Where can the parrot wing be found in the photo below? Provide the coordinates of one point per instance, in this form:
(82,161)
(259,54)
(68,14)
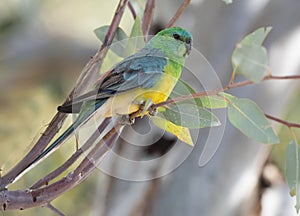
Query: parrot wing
(133,72)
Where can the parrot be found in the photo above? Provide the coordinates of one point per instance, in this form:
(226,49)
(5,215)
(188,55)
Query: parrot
(140,80)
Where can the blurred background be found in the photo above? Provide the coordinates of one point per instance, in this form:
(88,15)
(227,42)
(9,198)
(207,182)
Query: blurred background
(45,44)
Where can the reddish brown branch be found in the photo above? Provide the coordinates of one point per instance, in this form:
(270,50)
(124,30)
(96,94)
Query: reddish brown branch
(225,88)
(131,8)
(288,124)
(22,199)
(178,13)
(284,77)
(92,159)
(55,210)
(147,18)
(201,94)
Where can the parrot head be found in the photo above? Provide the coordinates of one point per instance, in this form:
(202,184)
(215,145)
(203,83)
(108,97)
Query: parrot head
(174,40)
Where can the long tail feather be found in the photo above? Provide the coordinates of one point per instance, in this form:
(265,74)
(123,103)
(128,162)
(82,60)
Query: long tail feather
(82,119)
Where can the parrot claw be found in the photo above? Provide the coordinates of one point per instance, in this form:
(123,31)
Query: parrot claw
(152,111)
(146,107)
(126,120)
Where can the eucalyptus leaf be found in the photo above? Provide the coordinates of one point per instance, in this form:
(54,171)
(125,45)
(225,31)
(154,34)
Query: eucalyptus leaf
(251,61)
(136,38)
(257,37)
(182,88)
(117,46)
(292,167)
(250,58)
(181,133)
(216,101)
(292,172)
(190,116)
(246,116)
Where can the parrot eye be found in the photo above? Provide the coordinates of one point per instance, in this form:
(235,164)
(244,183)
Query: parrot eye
(188,41)
(176,36)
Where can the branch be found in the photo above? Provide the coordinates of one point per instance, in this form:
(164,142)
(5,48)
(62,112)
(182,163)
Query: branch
(22,199)
(55,210)
(147,18)
(90,70)
(93,158)
(225,88)
(131,8)
(284,77)
(178,13)
(288,124)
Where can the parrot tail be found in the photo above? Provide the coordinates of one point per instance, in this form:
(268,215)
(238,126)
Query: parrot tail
(82,119)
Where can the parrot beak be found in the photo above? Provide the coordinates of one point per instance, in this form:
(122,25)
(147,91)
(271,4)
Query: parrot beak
(188,47)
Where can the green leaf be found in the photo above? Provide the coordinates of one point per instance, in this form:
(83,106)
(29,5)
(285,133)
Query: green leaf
(110,60)
(228,1)
(250,61)
(216,101)
(257,37)
(293,171)
(227,96)
(292,166)
(190,116)
(250,58)
(182,88)
(136,38)
(181,133)
(246,116)
(120,35)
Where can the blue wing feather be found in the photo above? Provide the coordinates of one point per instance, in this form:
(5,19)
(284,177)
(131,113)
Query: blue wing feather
(142,69)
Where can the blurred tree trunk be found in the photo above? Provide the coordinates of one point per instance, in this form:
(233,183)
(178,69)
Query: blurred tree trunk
(228,184)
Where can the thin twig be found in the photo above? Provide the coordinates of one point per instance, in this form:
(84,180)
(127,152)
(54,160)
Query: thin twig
(147,18)
(131,8)
(114,24)
(99,155)
(288,124)
(55,210)
(284,77)
(178,13)
(225,88)
(90,157)
(45,180)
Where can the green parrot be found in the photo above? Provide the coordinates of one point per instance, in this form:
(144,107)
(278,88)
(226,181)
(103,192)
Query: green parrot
(144,78)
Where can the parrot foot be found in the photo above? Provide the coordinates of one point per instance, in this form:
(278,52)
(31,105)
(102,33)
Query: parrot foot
(147,107)
(152,111)
(126,120)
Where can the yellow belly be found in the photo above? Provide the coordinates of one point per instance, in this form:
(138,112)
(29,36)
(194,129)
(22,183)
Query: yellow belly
(129,102)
